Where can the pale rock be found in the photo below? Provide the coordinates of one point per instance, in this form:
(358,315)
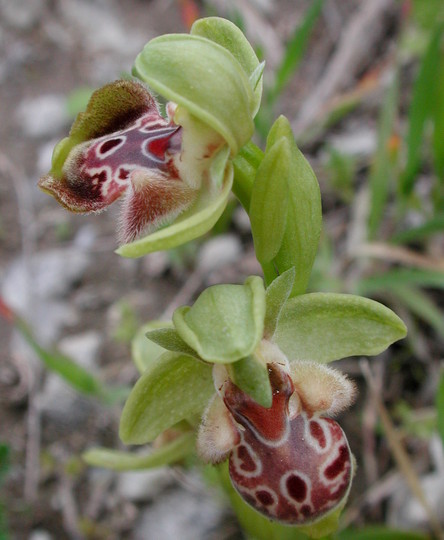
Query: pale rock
(43,116)
(219,251)
(140,486)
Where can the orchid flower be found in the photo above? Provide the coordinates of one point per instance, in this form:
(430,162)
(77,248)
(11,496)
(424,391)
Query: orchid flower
(174,173)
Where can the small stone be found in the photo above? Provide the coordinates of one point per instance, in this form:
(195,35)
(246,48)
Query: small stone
(219,251)
(21,14)
(140,486)
(43,116)
(40,534)
(188,515)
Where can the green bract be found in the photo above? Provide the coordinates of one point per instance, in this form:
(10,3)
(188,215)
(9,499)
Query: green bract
(285,209)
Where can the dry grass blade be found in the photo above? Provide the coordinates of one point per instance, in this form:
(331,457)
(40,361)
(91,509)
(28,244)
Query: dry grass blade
(399,453)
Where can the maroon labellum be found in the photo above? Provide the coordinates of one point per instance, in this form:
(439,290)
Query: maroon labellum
(293,468)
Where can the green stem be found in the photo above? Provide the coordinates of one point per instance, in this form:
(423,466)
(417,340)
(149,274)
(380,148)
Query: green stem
(245,166)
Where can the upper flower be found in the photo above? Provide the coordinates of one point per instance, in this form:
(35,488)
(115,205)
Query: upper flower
(173,171)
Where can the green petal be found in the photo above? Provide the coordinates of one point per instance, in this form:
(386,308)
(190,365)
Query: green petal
(117,460)
(226,322)
(228,35)
(276,295)
(205,79)
(177,388)
(252,377)
(195,222)
(325,327)
(169,339)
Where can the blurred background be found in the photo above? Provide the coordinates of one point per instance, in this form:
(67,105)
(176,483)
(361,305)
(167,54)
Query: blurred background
(363,86)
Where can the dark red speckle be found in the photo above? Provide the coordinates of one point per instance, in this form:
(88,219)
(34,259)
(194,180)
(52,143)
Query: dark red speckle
(248,463)
(317,433)
(306,510)
(264,497)
(338,465)
(109,145)
(297,488)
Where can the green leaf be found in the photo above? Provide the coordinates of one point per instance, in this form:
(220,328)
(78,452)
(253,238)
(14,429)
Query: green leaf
(269,201)
(381,174)
(226,322)
(380,533)
(205,79)
(276,295)
(440,406)
(177,388)
(193,223)
(172,452)
(420,109)
(170,340)
(229,36)
(304,220)
(251,376)
(144,352)
(326,326)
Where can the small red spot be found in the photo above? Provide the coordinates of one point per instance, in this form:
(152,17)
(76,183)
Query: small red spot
(317,433)
(264,497)
(297,488)
(338,465)
(123,174)
(248,463)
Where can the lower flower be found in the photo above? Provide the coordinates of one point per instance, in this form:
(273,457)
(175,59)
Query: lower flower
(289,462)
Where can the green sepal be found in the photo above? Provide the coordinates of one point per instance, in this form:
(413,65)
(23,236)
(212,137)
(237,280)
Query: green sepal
(170,340)
(117,460)
(144,352)
(226,322)
(176,388)
(276,295)
(204,78)
(269,201)
(300,239)
(324,327)
(194,222)
(229,36)
(252,377)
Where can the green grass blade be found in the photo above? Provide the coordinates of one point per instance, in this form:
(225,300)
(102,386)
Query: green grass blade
(421,305)
(295,50)
(382,171)
(401,276)
(438,122)
(420,109)
(432,226)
